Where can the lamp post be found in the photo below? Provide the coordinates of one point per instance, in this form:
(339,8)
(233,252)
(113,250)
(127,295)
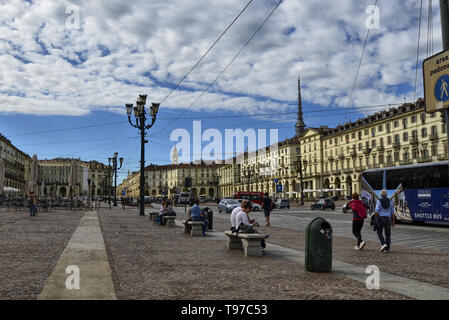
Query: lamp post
(139,113)
(109,182)
(298,163)
(88,193)
(116,168)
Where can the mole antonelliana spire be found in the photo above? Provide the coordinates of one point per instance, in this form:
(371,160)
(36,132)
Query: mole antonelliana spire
(300,126)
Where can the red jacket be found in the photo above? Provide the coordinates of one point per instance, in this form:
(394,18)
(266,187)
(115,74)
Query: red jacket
(358,208)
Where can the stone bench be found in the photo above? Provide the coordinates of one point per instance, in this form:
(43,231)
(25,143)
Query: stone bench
(169,220)
(195,228)
(248,242)
(153,216)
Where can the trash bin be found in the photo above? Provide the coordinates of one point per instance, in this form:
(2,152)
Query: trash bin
(318,248)
(209,216)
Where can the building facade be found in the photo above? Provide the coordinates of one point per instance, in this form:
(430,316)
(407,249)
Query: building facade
(16,163)
(168,180)
(54,174)
(332,159)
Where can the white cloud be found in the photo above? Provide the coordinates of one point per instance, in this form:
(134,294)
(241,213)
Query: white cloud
(48,69)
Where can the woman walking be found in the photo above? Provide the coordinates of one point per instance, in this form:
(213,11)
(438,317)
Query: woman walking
(358,218)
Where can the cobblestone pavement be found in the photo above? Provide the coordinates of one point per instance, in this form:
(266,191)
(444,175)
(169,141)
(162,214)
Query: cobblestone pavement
(156,262)
(414,263)
(30,248)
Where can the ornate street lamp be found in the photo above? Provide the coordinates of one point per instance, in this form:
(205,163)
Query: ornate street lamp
(139,113)
(298,163)
(115,167)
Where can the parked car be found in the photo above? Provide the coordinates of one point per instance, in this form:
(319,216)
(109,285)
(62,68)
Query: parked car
(227,205)
(256,206)
(282,203)
(323,204)
(184,198)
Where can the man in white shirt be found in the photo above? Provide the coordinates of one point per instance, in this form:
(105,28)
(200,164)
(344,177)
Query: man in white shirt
(242,216)
(234,213)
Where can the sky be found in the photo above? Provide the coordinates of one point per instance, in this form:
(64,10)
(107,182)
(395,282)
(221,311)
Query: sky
(67,69)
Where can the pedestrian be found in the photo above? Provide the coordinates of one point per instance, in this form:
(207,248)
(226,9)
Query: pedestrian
(162,210)
(246,224)
(384,212)
(33,204)
(267,205)
(358,218)
(235,211)
(196,214)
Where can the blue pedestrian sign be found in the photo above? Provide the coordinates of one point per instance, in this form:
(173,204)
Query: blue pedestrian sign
(442,88)
(124,192)
(276,180)
(436,81)
(279,188)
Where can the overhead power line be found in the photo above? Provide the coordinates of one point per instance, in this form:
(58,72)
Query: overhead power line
(208,50)
(228,65)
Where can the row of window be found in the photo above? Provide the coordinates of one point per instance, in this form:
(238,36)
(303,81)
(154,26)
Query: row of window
(380,128)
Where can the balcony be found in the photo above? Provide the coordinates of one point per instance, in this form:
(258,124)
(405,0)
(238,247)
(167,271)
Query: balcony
(331,158)
(326,173)
(347,170)
(442,157)
(380,148)
(361,168)
(341,156)
(424,159)
(413,141)
(353,153)
(433,137)
(396,145)
(336,172)
(389,163)
(366,151)
(405,162)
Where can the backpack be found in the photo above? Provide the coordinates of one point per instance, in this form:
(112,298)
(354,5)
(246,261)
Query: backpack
(359,208)
(361,212)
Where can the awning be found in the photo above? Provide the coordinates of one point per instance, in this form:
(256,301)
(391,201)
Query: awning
(10,189)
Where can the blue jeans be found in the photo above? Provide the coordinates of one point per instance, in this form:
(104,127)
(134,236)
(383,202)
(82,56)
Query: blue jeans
(205,224)
(33,210)
(384,223)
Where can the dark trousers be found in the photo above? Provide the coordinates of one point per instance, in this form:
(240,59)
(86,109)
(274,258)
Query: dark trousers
(384,223)
(357,226)
(205,224)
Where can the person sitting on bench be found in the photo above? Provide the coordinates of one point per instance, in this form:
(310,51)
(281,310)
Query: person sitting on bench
(247,225)
(196,214)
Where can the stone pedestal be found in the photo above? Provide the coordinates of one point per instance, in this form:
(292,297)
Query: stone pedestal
(197,230)
(169,221)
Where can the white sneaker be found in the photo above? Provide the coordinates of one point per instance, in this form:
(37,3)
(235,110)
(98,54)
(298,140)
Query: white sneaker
(362,245)
(383,248)
(357,248)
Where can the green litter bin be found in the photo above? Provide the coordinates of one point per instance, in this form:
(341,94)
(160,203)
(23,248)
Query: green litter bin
(318,249)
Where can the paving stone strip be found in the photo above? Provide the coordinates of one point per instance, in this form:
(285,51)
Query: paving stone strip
(87,253)
(401,285)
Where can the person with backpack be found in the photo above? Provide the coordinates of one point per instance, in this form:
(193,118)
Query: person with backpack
(385,220)
(358,218)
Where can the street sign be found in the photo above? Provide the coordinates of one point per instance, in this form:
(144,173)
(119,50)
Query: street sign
(279,188)
(123,192)
(436,81)
(276,180)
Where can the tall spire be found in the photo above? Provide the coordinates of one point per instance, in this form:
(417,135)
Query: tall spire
(300,125)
